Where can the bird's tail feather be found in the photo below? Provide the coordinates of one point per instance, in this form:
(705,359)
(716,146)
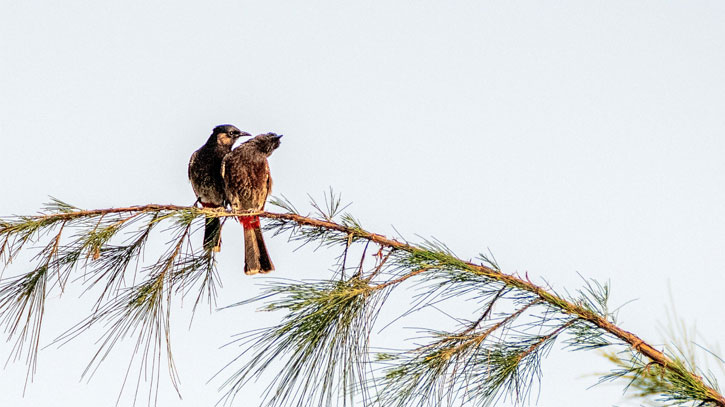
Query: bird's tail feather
(213,234)
(256,257)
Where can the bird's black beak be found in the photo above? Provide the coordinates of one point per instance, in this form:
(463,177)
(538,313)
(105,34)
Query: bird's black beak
(279,136)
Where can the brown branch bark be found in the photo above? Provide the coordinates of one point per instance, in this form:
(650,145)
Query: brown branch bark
(636,343)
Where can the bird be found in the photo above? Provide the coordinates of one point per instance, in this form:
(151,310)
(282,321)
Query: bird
(206,180)
(247,182)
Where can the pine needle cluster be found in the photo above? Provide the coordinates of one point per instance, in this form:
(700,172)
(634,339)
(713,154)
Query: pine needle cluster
(320,352)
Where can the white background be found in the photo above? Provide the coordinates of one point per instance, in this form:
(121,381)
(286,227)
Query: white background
(568,136)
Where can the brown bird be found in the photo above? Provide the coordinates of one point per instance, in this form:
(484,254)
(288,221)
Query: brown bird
(206,180)
(247,183)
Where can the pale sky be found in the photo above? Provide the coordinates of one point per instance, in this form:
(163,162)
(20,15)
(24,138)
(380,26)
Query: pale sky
(566,137)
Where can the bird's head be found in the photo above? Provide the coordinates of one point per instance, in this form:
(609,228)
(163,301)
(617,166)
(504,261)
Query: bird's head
(266,143)
(225,135)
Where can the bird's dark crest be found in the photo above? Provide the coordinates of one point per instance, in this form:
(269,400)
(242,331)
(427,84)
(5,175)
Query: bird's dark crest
(266,143)
(224,128)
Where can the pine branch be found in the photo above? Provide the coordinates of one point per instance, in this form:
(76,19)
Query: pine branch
(326,339)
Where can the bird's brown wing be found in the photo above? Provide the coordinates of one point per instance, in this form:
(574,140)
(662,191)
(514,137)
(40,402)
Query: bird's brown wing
(269,184)
(191,163)
(204,177)
(246,181)
(258,177)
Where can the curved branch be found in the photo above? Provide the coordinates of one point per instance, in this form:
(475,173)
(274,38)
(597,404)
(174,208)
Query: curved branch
(635,343)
